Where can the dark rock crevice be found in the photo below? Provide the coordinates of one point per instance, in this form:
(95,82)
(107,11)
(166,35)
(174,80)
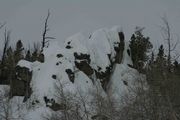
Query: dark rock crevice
(106,76)
(20,86)
(70,74)
(120,48)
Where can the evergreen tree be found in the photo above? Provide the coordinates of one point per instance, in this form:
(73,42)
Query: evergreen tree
(18,53)
(28,56)
(161,52)
(10,63)
(152,58)
(35,55)
(139,46)
(161,61)
(8,67)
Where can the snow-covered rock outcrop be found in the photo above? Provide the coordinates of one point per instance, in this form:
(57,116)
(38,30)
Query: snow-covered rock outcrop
(83,66)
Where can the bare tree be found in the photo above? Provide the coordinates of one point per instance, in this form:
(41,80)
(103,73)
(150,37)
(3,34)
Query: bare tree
(83,102)
(6,43)
(167,35)
(4,105)
(66,104)
(10,109)
(46,29)
(2,25)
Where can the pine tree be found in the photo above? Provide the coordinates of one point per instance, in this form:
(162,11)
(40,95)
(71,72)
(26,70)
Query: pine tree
(161,60)
(34,55)
(28,56)
(161,52)
(152,58)
(8,67)
(18,53)
(139,46)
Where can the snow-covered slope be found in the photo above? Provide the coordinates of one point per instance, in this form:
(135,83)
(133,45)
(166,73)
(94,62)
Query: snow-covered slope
(84,65)
(124,83)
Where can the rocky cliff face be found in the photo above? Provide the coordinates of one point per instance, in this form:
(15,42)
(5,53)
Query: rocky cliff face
(83,65)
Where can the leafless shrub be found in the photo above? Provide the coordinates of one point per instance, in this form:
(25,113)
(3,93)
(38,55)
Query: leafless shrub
(148,104)
(10,110)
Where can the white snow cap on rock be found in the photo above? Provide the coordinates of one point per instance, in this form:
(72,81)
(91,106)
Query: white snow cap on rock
(52,72)
(98,46)
(26,64)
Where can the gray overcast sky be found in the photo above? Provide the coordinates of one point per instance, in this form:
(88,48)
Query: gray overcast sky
(25,18)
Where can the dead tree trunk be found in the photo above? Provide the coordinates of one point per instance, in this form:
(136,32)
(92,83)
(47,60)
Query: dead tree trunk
(46,29)
(167,35)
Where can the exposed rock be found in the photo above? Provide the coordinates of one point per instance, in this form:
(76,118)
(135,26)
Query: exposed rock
(125,83)
(41,57)
(128,51)
(84,67)
(20,86)
(69,42)
(35,102)
(104,76)
(54,76)
(119,50)
(3,76)
(46,100)
(131,66)
(76,60)
(59,55)
(70,75)
(99,68)
(56,106)
(82,57)
(68,47)
(82,62)
(53,105)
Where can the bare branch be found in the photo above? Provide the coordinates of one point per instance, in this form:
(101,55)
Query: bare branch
(50,38)
(175,45)
(2,25)
(166,33)
(6,43)
(45,30)
(177,57)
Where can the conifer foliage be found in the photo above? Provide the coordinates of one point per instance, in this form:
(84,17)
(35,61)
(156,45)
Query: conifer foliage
(139,45)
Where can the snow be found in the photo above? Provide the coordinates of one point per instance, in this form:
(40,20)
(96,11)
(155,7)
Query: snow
(12,108)
(126,58)
(39,113)
(78,43)
(42,82)
(83,83)
(102,43)
(59,58)
(124,82)
(99,45)
(4,89)
(100,48)
(17,107)
(26,64)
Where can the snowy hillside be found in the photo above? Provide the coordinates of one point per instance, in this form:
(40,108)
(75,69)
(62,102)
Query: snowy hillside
(83,67)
